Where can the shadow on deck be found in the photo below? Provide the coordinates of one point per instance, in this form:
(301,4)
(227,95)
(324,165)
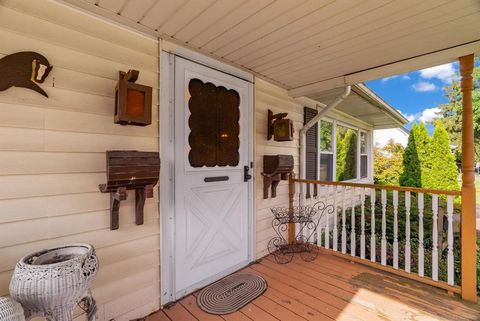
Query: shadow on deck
(332,288)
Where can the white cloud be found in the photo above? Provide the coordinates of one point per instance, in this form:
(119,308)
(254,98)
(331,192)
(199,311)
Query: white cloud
(429,114)
(445,73)
(423,86)
(410,118)
(389,78)
(402,76)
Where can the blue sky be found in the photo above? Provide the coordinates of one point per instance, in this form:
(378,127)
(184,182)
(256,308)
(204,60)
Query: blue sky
(417,94)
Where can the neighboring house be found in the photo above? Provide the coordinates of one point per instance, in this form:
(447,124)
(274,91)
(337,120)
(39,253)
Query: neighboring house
(399,135)
(206,219)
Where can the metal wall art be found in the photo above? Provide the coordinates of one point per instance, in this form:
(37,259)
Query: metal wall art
(279,127)
(133,102)
(24,69)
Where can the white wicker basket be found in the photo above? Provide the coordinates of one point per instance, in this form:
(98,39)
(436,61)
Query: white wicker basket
(10,310)
(51,282)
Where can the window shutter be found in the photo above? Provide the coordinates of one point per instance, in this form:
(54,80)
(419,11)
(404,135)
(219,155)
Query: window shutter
(311,150)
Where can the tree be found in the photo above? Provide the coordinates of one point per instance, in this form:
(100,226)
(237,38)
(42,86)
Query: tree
(441,171)
(415,156)
(388,163)
(451,113)
(346,153)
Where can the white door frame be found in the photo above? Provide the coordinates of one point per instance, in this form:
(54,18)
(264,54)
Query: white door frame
(167,157)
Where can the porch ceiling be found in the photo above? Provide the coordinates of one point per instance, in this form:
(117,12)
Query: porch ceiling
(364,105)
(294,43)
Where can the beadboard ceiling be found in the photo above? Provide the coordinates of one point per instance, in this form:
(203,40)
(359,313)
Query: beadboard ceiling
(295,43)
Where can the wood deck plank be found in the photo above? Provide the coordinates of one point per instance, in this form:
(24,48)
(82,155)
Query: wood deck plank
(257,314)
(277,309)
(311,301)
(178,313)
(332,288)
(158,316)
(305,284)
(190,304)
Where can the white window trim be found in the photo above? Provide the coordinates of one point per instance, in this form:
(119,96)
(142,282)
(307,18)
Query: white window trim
(369,150)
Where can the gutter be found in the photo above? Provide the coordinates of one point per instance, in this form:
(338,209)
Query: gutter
(313,121)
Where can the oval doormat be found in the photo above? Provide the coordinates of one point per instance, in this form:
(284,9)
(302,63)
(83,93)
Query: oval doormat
(231,293)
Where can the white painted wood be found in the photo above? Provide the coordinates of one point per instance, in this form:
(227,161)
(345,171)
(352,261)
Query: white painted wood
(384,227)
(135,10)
(435,237)
(421,250)
(353,238)
(373,241)
(450,258)
(407,232)
(344,230)
(362,232)
(327,216)
(211,219)
(395,229)
(336,191)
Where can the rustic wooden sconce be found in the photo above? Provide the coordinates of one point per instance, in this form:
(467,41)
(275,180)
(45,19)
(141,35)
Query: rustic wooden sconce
(275,168)
(133,102)
(279,127)
(130,170)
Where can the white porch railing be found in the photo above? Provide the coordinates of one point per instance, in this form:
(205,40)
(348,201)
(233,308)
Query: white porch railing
(408,231)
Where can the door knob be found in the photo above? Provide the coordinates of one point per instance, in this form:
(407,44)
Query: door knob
(246,175)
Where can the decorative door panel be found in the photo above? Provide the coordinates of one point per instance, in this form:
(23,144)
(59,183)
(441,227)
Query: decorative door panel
(211,197)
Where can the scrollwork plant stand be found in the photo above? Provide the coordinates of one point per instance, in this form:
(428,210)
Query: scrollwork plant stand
(306,220)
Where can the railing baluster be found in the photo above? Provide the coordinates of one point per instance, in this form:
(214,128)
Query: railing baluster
(407,232)
(327,216)
(435,237)
(362,231)
(344,230)
(450,275)
(319,227)
(372,226)
(335,218)
(384,227)
(421,251)
(395,229)
(353,243)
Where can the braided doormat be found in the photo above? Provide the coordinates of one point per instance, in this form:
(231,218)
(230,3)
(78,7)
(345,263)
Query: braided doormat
(231,293)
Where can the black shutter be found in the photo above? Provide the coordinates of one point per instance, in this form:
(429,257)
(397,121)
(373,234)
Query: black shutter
(311,150)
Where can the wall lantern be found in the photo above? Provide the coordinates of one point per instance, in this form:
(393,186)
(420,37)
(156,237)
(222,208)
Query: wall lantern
(279,127)
(133,102)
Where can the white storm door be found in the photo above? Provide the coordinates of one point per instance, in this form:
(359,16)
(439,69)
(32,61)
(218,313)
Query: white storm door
(211,197)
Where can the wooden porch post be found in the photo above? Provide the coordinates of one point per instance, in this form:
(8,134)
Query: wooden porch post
(291,195)
(468,219)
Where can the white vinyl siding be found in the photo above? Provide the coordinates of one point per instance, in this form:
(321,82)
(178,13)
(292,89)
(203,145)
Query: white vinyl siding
(52,153)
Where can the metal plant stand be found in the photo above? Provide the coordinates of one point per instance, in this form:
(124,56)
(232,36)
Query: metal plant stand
(306,220)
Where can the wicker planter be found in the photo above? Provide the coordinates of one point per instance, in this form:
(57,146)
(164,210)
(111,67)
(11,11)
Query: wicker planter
(51,282)
(10,310)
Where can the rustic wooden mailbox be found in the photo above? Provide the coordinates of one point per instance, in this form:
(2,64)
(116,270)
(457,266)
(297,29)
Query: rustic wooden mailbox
(275,168)
(133,102)
(279,127)
(130,170)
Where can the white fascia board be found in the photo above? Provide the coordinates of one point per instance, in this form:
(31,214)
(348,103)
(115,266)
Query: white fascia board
(407,65)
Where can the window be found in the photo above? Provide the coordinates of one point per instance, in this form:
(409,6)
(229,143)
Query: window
(214,126)
(346,141)
(326,151)
(363,155)
(335,151)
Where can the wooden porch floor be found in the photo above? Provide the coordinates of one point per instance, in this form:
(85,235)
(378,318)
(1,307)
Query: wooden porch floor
(332,288)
